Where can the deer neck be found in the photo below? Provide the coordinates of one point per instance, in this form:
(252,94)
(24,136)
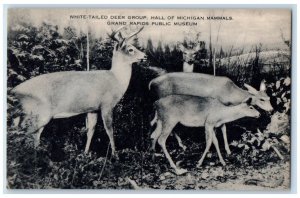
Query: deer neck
(122,69)
(234,96)
(229,114)
(188,67)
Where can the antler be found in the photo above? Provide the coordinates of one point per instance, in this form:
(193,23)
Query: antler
(122,39)
(135,33)
(114,33)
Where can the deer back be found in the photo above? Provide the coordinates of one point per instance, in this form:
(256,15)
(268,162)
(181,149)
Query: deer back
(72,92)
(205,85)
(195,84)
(188,110)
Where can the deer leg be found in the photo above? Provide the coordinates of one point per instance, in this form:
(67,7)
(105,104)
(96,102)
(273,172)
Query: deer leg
(216,143)
(180,142)
(223,128)
(107,121)
(162,142)
(155,135)
(91,121)
(34,124)
(208,137)
(37,137)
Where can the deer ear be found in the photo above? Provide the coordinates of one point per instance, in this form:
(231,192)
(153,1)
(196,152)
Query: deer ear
(197,48)
(251,89)
(248,100)
(262,85)
(181,47)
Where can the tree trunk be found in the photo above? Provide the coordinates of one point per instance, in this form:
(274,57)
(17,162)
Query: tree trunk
(87,51)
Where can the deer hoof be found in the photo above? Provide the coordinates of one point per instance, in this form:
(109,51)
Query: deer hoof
(223,162)
(86,151)
(228,152)
(180,171)
(113,152)
(199,164)
(115,158)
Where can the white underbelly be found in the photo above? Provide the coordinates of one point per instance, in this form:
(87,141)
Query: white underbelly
(65,115)
(192,122)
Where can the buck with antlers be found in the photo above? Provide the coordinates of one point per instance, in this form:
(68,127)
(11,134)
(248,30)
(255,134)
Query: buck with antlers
(195,111)
(66,94)
(205,85)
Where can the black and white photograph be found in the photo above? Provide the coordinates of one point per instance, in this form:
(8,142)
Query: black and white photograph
(149,99)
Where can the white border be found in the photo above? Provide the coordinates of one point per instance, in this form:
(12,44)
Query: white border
(253,3)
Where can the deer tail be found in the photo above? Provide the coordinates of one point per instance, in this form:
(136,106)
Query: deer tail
(150,83)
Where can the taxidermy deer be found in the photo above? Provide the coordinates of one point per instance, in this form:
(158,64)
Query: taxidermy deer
(205,85)
(66,94)
(193,111)
(189,56)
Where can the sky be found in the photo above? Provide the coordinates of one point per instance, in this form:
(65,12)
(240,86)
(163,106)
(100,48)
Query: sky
(248,26)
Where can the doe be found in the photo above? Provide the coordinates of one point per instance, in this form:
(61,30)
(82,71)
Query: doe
(193,111)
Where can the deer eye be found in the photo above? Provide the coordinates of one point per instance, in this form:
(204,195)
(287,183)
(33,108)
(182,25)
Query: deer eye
(130,50)
(251,107)
(262,100)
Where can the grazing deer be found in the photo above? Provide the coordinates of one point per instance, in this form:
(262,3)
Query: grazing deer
(205,85)
(193,111)
(189,56)
(66,94)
